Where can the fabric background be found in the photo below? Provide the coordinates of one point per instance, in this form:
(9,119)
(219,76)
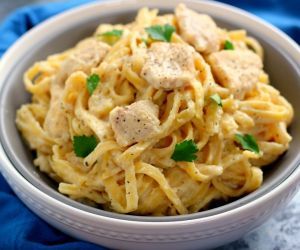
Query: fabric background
(21,229)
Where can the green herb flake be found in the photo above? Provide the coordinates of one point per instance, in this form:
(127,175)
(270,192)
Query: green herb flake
(248,142)
(92,82)
(36,77)
(144,40)
(228,45)
(116,33)
(161,33)
(217,99)
(84,145)
(185,151)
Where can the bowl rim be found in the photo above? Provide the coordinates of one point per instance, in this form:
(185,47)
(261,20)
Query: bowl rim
(111,4)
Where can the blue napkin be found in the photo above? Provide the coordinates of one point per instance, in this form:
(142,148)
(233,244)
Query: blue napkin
(19,227)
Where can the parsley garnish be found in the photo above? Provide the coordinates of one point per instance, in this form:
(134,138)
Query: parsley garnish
(116,33)
(145,41)
(161,33)
(217,99)
(92,82)
(185,151)
(228,45)
(84,145)
(36,76)
(248,142)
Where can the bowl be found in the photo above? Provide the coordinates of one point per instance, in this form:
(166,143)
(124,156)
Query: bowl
(201,230)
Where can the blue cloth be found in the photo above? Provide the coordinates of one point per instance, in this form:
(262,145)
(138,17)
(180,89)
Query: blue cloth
(283,14)
(19,227)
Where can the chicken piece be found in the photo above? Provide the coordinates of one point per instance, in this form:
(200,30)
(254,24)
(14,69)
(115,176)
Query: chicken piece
(86,55)
(236,70)
(56,123)
(134,123)
(169,65)
(198,30)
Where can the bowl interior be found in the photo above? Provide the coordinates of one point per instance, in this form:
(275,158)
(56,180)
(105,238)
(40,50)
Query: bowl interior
(283,71)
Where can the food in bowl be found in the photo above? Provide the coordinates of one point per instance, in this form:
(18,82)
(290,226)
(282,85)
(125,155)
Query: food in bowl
(161,116)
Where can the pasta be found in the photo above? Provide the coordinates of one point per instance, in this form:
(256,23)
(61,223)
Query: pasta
(160,116)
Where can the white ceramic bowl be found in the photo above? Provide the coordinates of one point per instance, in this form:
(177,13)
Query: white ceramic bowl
(199,231)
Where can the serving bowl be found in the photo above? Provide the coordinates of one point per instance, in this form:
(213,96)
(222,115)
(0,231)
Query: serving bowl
(201,230)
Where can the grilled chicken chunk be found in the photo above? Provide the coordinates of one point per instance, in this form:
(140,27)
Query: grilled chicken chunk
(169,65)
(198,30)
(237,70)
(86,55)
(134,123)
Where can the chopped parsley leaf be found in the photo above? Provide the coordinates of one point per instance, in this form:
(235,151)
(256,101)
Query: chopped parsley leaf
(228,45)
(161,33)
(144,40)
(92,82)
(248,142)
(116,33)
(217,99)
(36,76)
(185,151)
(84,145)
